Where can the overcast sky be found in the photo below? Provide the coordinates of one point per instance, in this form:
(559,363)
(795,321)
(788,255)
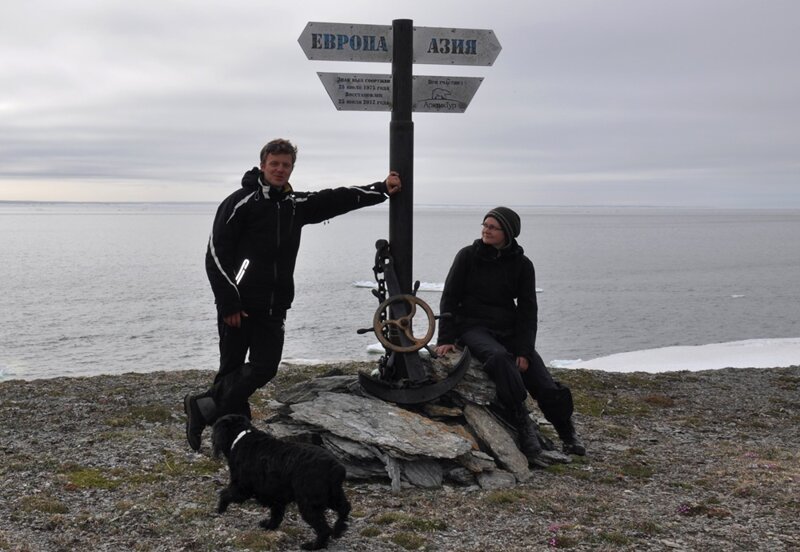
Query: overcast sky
(620,102)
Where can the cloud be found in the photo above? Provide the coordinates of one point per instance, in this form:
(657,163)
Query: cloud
(658,102)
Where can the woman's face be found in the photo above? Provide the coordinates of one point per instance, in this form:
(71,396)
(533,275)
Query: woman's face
(491,233)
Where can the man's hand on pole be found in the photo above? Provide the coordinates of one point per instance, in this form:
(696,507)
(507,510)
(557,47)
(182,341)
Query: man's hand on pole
(392,182)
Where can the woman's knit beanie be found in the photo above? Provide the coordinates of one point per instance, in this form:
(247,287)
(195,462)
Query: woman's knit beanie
(508,219)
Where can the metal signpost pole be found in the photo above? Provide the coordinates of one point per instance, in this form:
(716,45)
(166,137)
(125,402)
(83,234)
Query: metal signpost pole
(401,159)
(401,152)
(401,93)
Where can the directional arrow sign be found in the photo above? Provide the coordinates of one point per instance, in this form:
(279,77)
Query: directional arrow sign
(346,42)
(359,92)
(443,94)
(432,45)
(455,46)
(368,92)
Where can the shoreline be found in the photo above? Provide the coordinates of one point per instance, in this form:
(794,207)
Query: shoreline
(676,461)
(747,353)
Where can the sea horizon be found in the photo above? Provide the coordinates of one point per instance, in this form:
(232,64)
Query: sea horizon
(87,280)
(439,205)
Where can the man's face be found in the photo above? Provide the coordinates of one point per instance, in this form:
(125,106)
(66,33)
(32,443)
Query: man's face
(277,168)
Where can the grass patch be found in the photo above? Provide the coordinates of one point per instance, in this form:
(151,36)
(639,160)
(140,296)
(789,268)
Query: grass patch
(594,406)
(574,469)
(775,453)
(141,478)
(745,490)
(43,503)
(602,405)
(413,523)
(693,422)
(637,471)
(16,466)
(660,400)
(409,526)
(614,537)
(170,466)
(647,527)
(388,518)
(370,532)
(174,466)
(563,541)
(190,514)
(681,485)
(409,541)
(120,435)
(788,382)
(259,540)
(584,380)
(79,477)
(424,525)
(557,469)
(507,496)
(151,413)
(703,509)
(627,406)
(148,413)
(618,432)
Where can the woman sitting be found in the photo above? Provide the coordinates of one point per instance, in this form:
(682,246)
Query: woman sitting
(490,292)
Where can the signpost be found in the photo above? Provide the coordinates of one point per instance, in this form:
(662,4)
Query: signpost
(455,46)
(370,92)
(432,45)
(402,44)
(345,42)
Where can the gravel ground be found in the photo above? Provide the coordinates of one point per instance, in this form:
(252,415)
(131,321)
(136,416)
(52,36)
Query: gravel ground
(677,461)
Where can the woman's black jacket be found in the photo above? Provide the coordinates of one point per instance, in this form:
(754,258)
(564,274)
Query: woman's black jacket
(493,288)
(262,224)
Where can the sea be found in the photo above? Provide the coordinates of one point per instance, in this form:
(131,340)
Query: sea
(110,288)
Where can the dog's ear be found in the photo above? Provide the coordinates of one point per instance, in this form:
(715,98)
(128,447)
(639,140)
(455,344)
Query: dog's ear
(221,438)
(240,422)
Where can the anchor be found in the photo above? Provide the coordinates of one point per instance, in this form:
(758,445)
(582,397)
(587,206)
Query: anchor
(402,376)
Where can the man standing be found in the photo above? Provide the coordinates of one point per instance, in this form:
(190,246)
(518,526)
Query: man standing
(250,264)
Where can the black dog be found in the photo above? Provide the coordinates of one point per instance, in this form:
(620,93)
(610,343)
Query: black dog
(276,472)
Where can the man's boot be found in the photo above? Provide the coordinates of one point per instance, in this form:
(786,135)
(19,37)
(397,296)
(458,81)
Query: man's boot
(200,412)
(528,438)
(572,444)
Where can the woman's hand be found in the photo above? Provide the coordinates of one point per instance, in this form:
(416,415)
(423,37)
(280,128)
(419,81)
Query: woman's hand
(522,364)
(442,350)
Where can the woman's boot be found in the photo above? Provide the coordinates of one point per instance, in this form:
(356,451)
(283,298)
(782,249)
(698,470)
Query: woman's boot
(572,444)
(528,438)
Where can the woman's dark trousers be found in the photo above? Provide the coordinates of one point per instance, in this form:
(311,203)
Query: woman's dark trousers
(553,398)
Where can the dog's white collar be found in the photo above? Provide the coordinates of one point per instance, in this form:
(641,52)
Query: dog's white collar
(241,434)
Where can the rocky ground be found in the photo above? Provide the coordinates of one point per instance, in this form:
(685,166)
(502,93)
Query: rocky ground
(677,461)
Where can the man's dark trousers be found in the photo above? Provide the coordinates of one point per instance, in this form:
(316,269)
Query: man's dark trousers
(240,374)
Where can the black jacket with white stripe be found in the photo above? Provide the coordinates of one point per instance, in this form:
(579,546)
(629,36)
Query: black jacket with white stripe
(261,224)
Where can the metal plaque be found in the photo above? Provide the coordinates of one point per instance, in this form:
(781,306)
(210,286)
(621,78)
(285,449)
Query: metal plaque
(370,92)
